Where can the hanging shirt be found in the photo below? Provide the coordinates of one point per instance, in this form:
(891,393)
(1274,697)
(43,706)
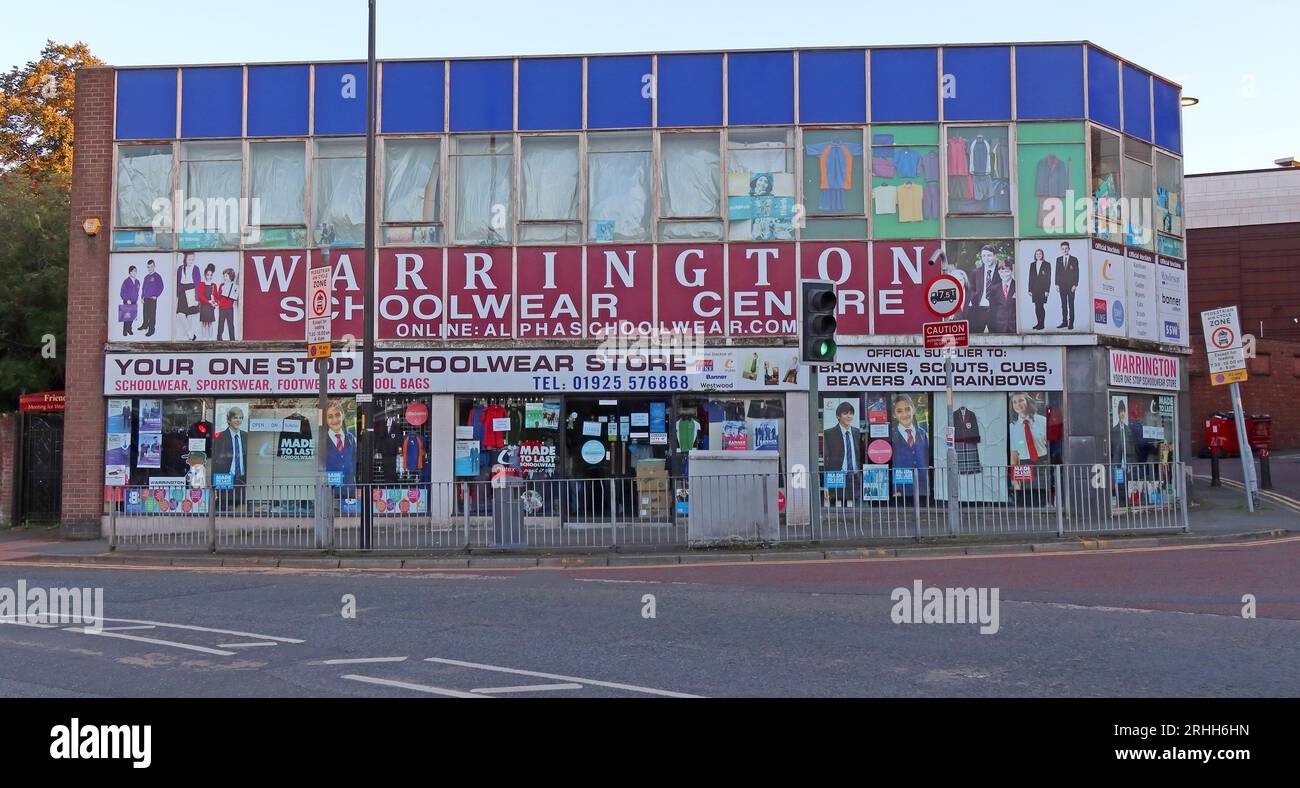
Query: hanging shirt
(492,439)
(687,430)
(412,453)
(957,161)
(886,199)
(905,162)
(835,165)
(909,203)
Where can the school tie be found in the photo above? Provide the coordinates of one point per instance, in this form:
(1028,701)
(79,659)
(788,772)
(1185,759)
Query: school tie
(1029,441)
(338,441)
(911,444)
(239,455)
(848,452)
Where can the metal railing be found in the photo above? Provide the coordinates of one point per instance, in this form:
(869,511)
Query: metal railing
(510,513)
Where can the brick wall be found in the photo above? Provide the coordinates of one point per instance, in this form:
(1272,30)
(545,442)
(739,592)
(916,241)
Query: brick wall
(92,179)
(1272,389)
(8,459)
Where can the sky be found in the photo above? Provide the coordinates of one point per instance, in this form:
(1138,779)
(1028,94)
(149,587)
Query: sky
(1238,58)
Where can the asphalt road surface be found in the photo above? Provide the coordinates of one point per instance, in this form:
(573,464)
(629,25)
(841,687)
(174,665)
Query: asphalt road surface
(1140,622)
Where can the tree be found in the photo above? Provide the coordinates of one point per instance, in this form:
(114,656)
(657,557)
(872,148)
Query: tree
(34,216)
(36,110)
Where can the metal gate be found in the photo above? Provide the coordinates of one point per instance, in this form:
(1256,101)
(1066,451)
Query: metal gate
(40,469)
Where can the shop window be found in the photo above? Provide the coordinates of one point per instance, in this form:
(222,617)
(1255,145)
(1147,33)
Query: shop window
(732,423)
(1051,162)
(151,438)
(413,191)
(833,184)
(403,430)
(905,175)
(339,193)
(875,447)
(1105,191)
(482,177)
(690,196)
(1143,433)
(277,188)
(619,186)
(548,200)
(210,174)
(979,169)
(1137,189)
(515,436)
(144,176)
(1169,194)
(760,185)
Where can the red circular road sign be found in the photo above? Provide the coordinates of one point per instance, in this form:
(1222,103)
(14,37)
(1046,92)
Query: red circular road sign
(320,304)
(945,295)
(1223,338)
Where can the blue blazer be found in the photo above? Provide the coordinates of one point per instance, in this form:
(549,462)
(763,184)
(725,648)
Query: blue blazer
(915,456)
(344,460)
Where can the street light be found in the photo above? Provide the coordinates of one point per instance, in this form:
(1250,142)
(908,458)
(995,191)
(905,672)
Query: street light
(1190,101)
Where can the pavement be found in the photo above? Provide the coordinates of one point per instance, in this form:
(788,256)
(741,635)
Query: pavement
(1284,468)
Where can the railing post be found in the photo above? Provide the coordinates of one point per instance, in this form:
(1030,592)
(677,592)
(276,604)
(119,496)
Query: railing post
(916,499)
(613,509)
(1060,501)
(212,519)
(112,521)
(1182,496)
(464,510)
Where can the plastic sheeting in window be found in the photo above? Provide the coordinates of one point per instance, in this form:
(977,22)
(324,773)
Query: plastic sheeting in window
(411,180)
(211,172)
(691,169)
(549,176)
(339,193)
(276,175)
(482,189)
(618,187)
(144,174)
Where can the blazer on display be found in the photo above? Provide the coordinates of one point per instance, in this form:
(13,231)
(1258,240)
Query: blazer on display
(1040,281)
(1002,309)
(1067,272)
(223,452)
(833,441)
(344,459)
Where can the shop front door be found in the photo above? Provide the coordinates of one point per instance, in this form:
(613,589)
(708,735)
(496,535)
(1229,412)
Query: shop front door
(607,440)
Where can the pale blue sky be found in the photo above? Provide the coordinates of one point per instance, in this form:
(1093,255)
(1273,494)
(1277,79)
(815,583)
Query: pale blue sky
(1238,57)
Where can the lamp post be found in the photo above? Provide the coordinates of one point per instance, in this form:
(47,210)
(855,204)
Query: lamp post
(365,401)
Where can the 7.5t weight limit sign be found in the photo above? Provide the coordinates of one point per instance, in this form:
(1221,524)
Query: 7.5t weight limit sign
(318,312)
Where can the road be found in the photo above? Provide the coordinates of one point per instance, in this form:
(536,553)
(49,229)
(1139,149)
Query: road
(1138,622)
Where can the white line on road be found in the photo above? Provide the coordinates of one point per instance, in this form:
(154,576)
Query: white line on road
(526,688)
(27,623)
(161,642)
(195,628)
(450,693)
(118,629)
(358,661)
(537,675)
(609,580)
(244,645)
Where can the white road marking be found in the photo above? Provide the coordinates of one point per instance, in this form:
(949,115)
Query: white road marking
(538,675)
(609,580)
(450,693)
(526,688)
(27,624)
(359,661)
(195,628)
(160,642)
(118,629)
(244,645)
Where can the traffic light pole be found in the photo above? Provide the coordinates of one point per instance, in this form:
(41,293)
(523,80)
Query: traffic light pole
(365,410)
(814,478)
(324,506)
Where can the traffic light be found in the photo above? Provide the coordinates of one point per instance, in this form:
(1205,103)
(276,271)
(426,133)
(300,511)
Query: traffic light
(202,429)
(817,332)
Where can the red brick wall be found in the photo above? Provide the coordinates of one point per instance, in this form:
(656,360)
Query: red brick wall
(92,181)
(8,458)
(1253,267)
(1273,389)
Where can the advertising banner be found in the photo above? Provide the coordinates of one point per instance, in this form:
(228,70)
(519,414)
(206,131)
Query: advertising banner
(762,281)
(1143,296)
(1173,301)
(410,299)
(1143,370)
(1109,289)
(620,290)
(549,292)
(141,288)
(275,287)
(847,264)
(1052,278)
(900,273)
(480,293)
(691,289)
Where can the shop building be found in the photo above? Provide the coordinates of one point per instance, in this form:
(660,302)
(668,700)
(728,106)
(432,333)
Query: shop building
(586,263)
(1243,237)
